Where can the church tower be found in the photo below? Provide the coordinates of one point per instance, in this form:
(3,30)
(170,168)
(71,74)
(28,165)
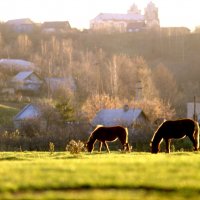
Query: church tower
(151,16)
(134,10)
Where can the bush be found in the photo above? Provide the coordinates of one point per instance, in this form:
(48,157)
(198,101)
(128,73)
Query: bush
(51,147)
(75,147)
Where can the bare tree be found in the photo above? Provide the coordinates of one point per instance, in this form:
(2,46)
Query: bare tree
(166,84)
(96,102)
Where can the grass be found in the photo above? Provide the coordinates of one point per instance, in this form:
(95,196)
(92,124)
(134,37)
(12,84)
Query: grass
(7,113)
(39,175)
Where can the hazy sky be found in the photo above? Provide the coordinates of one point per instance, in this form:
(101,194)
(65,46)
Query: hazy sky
(80,12)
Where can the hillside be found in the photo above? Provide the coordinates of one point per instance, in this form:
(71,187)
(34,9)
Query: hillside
(89,58)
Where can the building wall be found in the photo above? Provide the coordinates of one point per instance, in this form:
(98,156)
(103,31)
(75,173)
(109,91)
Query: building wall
(190,110)
(114,23)
(109,25)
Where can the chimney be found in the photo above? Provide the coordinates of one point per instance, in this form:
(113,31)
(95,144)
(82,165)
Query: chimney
(126,108)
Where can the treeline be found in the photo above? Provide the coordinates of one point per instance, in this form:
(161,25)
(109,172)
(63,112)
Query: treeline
(166,64)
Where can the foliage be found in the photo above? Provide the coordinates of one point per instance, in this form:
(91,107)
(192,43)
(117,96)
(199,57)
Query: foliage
(66,110)
(167,85)
(51,147)
(48,111)
(96,102)
(155,108)
(75,147)
(103,63)
(30,127)
(7,112)
(15,140)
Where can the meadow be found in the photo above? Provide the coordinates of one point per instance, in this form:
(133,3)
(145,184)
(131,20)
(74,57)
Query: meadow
(135,175)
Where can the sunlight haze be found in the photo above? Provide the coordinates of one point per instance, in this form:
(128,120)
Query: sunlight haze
(80,12)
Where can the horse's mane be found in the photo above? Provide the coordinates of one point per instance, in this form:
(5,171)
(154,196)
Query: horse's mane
(157,130)
(98,126)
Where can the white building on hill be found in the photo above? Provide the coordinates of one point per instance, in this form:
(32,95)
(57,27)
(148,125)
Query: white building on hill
(132,21)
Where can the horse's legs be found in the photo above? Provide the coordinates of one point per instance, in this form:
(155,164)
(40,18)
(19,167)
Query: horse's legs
(193,142)
(167,141)
(106,145)
(100,146)
(126,147)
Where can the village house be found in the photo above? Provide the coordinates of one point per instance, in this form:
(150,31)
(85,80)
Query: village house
(29,112)
(127,117)
(56,26)
(132,21)
(27,81)
(21,25)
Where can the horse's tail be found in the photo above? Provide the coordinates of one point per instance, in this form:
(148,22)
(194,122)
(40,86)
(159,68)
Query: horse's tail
(196,134)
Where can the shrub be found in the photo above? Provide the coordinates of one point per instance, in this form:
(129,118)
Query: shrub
(51,147)
(75,147)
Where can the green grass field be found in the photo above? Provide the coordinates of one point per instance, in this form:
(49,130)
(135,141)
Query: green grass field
(39,175)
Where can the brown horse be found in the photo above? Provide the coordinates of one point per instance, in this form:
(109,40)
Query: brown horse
(104,134)
(175,129)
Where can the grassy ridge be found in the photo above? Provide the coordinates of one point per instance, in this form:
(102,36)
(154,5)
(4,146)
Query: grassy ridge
(34,175)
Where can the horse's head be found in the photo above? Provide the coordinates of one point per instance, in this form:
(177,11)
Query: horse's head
(154,148)
(89,146)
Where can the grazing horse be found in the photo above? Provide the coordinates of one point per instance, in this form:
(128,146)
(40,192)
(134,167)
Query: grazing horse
(104,134)
(175,129)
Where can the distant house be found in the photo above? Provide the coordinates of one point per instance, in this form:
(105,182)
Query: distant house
(29,112)
(56,26)
(16,65)
(27,81)
(57,83)
(21,25)
(127,117)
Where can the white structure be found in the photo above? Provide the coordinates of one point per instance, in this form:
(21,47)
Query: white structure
(191,109)
(132,21)
(151,16)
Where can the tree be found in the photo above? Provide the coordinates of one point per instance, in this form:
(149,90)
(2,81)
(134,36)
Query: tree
(166,84)
(66,110)
(154,108)
(49,113)
(144,75)
(96,102)
(24,44)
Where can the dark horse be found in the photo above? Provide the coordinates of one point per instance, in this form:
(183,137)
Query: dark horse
(175,129)
(104,134)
